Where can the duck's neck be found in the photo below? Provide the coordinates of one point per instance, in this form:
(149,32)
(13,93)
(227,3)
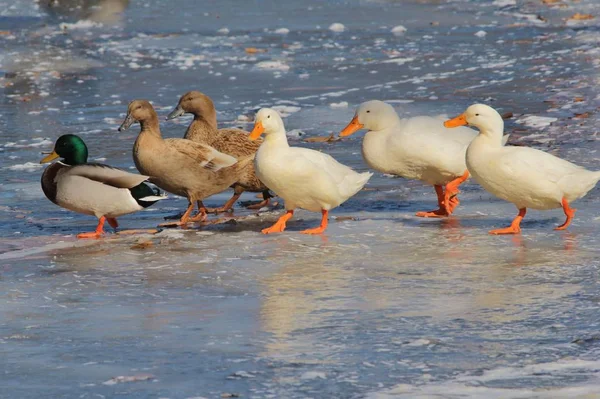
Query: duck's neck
(276,140)
(492,132)
(151,126)
(77,158)
(201,129)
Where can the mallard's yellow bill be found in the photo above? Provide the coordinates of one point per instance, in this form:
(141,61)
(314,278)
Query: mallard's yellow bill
(51,157)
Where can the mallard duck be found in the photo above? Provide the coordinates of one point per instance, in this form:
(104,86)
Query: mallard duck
(93,188)
(182,167)
(234,142)
(527,177)
(419,148)
(304,178)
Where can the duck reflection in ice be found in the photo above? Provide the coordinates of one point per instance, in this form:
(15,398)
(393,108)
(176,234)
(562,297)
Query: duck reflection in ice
(101,11)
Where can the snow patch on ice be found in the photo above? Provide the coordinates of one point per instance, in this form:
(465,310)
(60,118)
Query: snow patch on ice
(337,27)
(286,110)
(273,65)
(81,24)
(27,167)
(504,3)
(343,104)
(534,121)
(398,30)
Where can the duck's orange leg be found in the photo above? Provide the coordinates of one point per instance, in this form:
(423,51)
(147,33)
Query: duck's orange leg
(515,226)
(450,200)
(322,227)
(96,234)
(569,212)
(279,225)
(200,216)
(441,212)
(185,218)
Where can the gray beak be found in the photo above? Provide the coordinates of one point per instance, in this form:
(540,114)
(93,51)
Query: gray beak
(177,112)
(127,123)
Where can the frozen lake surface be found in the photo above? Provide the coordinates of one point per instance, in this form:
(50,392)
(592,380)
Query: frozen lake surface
(384,305)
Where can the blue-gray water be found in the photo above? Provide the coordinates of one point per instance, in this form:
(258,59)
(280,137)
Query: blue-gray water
(384,305)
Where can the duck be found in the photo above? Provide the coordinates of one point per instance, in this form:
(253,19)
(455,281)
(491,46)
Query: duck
(527,177)
(418,148)
(179,166)
(93,188)
(302,177)
(234,142)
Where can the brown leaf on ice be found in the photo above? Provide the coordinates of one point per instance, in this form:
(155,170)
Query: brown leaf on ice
(580,17)
(550,2)
(254,50)
(322,139)
(579,99)
(507,115)
(142,245)
(582,116)
(344,218)
(4,32)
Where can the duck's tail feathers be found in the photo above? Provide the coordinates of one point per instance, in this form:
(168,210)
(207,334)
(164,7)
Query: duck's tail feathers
(354,182)
(145,195)
(505,139)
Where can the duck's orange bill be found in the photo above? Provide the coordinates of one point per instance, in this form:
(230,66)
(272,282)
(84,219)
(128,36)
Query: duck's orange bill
(352,127)
(51,157)
(460,120)
(257,131)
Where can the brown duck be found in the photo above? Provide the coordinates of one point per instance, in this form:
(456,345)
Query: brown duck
(182,167)
(234,142)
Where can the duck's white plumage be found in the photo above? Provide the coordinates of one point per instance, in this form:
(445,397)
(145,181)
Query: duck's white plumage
(304,178)
(527,177)
(418,148)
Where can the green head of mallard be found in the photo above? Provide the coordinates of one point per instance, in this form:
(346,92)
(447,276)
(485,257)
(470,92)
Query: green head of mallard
(70,148)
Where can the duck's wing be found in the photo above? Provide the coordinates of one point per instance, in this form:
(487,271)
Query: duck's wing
(205,155)
(529,164)
(320,162)
(235,142)
(108,175)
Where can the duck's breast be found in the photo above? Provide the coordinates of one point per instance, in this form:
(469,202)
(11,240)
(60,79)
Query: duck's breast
(89,197)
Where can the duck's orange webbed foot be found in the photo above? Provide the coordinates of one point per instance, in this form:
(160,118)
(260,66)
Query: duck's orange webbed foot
(569,213)
(279,226)
(439,213)
(515,226)
(96,234)
(322,227)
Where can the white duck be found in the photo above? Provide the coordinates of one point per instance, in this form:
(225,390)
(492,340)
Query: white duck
(304,178)
(419,148)
(527,177)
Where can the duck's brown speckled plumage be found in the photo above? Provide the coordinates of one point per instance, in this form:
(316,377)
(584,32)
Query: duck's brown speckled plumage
(234,142)
(182,167)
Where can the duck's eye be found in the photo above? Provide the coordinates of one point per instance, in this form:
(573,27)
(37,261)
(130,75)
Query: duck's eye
(368,112)
(139,107)
(476,114)
(268,116)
